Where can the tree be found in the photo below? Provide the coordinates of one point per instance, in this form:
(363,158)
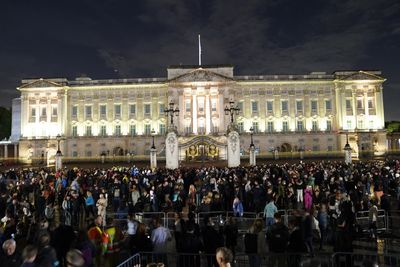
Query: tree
(393,126)
(5,123)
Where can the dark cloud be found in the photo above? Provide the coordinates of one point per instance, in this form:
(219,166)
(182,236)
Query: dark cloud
(110,38)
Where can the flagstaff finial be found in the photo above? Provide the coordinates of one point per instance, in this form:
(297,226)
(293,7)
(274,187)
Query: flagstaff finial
(199,51)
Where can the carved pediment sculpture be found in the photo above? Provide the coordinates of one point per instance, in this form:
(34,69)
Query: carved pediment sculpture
(362,75)
(201,75)
(41,83)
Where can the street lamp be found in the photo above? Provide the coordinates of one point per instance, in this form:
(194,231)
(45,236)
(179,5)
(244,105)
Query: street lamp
(58,156)
(58,137)
(251,137)
(347,149)
(171,111)
(152,136)
(232,110)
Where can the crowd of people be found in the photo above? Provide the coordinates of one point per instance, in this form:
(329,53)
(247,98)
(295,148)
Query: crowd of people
(86,217)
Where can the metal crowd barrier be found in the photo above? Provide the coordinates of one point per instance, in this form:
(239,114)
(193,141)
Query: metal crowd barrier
(200,259)
(133,261)
(364,259)
(362,218)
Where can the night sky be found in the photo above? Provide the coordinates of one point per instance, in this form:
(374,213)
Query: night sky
(128,38)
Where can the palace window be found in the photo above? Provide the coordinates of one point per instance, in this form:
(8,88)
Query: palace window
(360,124)
(162,128)
(284,105)
(314,126)
(133,130)
(359,103)
(270,126)
(348,104)
(117,109)
(299,106)
(314,106)
(240,127)
(132,109)
(147,109)
(44,112)
(147,129)
(255,127)
(371,124)
(370,103)
(240,106)
(300,125)
(254,106)
(54,112)
(214,105)
(103,110)
(88,112)
(118,130)
(103,130)
(270,107)
(74,111)
(88,130)
(188,106)
(201,104)
(329,125)
(285,126)
(349,124)
(74,131)
(162,108)
(33,112)
(328,105)
(188,129)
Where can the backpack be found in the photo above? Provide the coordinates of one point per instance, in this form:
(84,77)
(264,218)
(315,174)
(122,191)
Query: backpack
(250,243)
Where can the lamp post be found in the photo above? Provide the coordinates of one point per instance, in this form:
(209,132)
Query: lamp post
(232,110)
(171,111)
(252,149)
(152,136)
(58,154)
(347,150)
(153,152)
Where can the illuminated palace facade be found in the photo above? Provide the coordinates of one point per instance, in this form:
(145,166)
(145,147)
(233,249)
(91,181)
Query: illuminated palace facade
(288,113)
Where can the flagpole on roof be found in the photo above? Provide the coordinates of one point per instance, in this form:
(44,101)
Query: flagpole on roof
(199,51)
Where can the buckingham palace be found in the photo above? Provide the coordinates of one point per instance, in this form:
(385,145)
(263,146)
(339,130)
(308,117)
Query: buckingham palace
(88,118)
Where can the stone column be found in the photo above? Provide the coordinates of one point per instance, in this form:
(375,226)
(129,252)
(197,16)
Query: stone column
(233,149)
(252,156)
(171,151)
(208,115)
(194,113)
(15,152)
(153,158)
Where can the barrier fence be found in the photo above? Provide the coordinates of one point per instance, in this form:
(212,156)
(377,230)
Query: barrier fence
(386,221)
(268,259)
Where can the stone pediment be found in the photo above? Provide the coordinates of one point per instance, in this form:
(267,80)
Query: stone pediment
(362,75)
(41,83)
(200,75)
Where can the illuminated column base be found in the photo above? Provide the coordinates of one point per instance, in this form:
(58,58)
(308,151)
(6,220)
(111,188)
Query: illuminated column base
(58,162)
(252,156)
(103,159)
(347,156)
(276,154)
(153,158)
(171,151)
(233,149)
